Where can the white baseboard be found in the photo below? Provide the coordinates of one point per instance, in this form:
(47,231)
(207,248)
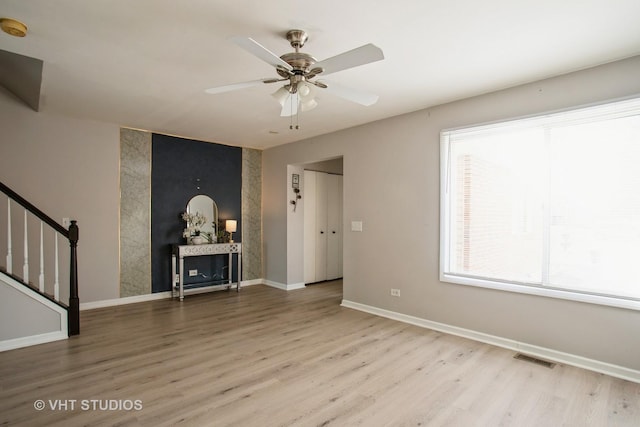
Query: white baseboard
(252,282)
(32,340)
(294,286)
(147,297)
(284,287)
(534,350)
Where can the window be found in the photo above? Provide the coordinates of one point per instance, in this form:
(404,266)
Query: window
(548,205)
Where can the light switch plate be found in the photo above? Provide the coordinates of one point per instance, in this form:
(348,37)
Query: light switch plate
(356,225)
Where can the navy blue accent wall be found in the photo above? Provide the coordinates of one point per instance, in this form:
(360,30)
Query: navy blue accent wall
(178,167)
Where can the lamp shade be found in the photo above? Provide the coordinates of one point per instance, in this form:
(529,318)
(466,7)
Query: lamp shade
(306,91)
(308,105)
(281,95)
(230,225)
(303,90)
(290,106)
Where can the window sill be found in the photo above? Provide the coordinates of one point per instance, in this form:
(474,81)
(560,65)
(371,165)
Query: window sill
(619,302)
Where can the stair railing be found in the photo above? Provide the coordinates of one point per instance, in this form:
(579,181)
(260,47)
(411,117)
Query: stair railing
(72,234)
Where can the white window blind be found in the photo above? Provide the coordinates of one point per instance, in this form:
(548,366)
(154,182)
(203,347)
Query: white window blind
(547,205)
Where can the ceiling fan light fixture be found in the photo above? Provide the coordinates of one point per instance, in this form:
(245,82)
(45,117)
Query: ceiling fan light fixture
(308,105)
(281,95)
(290,105)
(304,90)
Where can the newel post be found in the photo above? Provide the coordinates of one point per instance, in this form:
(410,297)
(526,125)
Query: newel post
(74,301)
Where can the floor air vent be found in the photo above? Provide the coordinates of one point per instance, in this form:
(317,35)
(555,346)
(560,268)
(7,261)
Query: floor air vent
(535,360)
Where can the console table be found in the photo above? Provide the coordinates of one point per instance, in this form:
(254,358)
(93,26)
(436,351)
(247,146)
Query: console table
(182,251)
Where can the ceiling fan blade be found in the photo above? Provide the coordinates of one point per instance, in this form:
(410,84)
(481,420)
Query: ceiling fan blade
(350,94)
(290,105)
(236,86)
(352,58)
(256,49)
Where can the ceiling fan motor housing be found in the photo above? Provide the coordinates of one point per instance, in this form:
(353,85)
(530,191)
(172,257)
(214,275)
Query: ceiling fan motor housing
(300,62)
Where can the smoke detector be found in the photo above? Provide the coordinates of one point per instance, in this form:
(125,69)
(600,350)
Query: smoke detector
(13,27)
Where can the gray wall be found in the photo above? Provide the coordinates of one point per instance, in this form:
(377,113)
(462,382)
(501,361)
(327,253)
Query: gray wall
(391,183)
(68,168)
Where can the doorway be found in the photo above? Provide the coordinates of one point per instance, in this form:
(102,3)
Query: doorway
(323,221)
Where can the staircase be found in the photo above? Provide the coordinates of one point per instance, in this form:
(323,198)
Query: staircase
(46,311)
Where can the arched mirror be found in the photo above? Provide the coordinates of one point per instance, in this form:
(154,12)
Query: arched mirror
(205,206)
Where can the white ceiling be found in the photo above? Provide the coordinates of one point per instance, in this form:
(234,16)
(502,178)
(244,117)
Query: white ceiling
(145,63)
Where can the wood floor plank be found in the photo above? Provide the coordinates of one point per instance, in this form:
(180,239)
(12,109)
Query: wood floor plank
(266,357)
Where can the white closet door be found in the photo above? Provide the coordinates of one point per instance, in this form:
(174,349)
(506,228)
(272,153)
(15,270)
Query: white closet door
(334,227)
(321,226)
(309,200)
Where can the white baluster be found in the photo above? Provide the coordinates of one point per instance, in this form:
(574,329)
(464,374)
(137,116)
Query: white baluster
(41,276)
(25,267)
(9,255)
(56,283)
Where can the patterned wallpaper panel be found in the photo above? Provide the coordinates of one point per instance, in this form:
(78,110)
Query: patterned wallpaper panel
(251,214)
(135,212)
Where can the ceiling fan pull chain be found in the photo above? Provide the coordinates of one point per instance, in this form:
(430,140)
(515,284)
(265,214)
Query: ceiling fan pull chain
(291,116)
(291,99)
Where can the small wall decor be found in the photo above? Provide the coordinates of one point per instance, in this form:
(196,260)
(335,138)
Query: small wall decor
(295,184)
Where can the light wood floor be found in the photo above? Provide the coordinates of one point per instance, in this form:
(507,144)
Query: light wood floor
(267,357)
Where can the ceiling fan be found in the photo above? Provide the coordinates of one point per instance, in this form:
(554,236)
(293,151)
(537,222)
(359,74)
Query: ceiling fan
(300,69)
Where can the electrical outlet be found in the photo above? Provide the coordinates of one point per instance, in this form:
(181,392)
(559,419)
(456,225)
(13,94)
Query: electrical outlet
(177,278)
(193,273)
(66,222)
(395,292)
